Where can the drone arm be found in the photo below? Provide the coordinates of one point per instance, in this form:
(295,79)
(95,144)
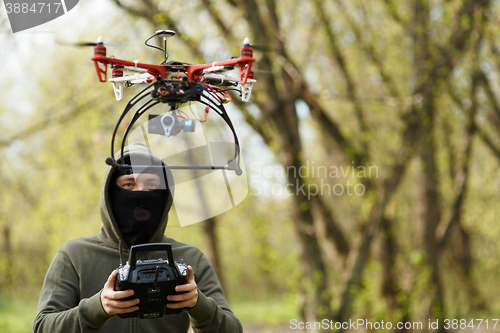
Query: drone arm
(244,72)
(101,72)
(155,70)
(195,70)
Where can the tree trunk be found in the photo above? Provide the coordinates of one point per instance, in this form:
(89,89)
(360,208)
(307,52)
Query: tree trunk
(391,286)
(214,255)
(7,259)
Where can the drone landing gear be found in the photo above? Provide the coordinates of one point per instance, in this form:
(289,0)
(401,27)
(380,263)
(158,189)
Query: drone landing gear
(174,93)
(118,90)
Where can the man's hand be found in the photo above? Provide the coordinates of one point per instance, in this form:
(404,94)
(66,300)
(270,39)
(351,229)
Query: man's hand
(111,300)
(189,296)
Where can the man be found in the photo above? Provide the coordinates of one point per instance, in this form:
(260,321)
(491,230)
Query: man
(78,292)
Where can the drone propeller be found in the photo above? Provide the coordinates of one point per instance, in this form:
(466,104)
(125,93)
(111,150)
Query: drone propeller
(264,71)
(255,47)
(84,44)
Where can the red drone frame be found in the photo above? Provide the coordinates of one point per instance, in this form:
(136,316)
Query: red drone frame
(194,72)
(175,83)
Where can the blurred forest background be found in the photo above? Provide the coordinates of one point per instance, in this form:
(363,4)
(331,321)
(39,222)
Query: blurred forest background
(406,89)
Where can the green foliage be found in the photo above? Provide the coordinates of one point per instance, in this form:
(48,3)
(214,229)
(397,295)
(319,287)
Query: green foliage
(16,315)
(271,310)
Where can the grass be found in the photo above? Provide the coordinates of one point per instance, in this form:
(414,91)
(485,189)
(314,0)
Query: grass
(16,315)
(269,311)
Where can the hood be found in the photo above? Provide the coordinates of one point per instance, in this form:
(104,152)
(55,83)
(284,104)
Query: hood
(110,232)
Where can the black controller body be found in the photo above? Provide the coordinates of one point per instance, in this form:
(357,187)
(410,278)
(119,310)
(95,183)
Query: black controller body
(151,280)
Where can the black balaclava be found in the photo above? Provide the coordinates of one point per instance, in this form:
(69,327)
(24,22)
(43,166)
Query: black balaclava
(137,213)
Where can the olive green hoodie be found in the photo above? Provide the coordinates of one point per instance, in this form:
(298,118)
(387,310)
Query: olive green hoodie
(70,297)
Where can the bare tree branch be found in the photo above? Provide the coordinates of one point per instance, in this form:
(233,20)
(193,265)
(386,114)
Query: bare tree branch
(330,127)
(337,54)
(226,31)
(46,123)
(482,134)
(370,49)
(447,130)
(350,84)
(464,257)
(393,11)
(491,95)
(477,78)
(259,126)
(160,19)
(333,230)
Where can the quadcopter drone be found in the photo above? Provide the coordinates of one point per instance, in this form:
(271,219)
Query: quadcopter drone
(175,83)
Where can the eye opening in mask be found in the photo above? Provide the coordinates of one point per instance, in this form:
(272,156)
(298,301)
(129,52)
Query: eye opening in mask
(146,174)
(139,181)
